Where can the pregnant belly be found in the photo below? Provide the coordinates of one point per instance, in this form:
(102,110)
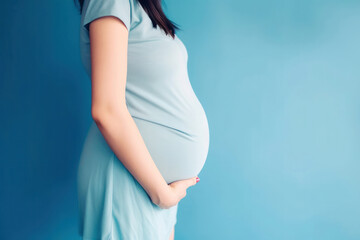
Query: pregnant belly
(177,154)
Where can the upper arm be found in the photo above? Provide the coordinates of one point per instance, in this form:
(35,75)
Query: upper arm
(108,49)
(108,23)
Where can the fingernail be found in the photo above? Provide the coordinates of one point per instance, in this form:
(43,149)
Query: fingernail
(197,179)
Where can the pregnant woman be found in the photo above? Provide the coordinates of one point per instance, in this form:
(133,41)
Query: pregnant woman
(149,137)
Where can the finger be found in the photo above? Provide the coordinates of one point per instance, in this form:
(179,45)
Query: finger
(191,181)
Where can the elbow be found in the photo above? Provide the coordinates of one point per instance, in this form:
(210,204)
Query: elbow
(96,114)
(100,114)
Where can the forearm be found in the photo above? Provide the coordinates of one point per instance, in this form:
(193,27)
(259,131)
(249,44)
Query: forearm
(123,137)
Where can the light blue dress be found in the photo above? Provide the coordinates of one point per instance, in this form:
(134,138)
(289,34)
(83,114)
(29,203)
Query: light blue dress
(170,118)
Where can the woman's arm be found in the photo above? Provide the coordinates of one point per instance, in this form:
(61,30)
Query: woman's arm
(109,41)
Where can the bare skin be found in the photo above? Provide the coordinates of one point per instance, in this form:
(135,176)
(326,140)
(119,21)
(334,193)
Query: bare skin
(109,43)
(172,234)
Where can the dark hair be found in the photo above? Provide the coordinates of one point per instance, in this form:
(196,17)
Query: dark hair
(154,10)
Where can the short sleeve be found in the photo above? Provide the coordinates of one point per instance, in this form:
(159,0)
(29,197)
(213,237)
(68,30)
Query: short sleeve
(99,8)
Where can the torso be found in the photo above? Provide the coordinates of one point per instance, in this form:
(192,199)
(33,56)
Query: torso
(160,98)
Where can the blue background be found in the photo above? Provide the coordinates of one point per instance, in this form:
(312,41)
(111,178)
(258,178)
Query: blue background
(279,81)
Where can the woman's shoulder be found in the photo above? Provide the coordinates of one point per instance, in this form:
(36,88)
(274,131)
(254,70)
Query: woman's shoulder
(125,10)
